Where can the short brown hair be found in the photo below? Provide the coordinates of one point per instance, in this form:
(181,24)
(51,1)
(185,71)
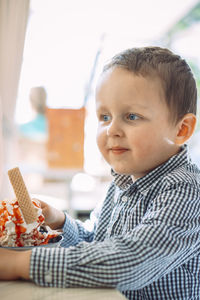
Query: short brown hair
(175,74)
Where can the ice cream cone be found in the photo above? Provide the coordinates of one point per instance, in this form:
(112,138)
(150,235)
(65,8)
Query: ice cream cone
(22,195)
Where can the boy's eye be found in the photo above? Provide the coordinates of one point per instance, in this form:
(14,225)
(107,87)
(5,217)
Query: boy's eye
(105,118)
(132,117)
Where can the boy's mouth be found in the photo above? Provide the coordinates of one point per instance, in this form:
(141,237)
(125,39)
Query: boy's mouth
(118,150)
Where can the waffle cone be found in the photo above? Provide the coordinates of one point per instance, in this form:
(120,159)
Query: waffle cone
(25,203)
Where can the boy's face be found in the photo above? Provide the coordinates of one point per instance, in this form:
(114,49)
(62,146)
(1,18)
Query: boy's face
(134,132)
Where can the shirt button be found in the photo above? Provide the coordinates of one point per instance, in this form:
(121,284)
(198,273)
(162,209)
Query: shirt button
(48,277)
(124,199)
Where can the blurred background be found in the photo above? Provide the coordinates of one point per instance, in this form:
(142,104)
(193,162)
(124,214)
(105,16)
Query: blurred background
(52,52)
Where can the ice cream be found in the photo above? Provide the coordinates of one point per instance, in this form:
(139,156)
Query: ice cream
(21,220)
(15,232)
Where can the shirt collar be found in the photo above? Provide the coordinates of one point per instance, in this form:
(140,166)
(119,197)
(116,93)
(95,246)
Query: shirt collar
(143,184)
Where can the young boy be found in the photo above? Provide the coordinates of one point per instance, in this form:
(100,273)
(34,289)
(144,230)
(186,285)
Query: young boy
(146,237)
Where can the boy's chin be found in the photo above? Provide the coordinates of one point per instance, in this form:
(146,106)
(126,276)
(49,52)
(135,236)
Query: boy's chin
(131,173)
(122,171)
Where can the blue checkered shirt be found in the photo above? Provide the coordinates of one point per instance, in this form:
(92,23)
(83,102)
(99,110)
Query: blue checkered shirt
(144,241)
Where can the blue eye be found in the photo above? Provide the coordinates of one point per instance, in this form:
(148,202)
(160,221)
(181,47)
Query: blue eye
(132,117)
(105,118)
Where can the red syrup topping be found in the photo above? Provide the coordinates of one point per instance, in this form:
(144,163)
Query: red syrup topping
(20,230)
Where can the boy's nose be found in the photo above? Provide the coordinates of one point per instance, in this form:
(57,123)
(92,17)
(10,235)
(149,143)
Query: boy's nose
(114,129)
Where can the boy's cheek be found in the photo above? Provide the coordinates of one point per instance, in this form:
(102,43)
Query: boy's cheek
(101,130)
(101,145)
(144,151)
(101,137)
(143,148)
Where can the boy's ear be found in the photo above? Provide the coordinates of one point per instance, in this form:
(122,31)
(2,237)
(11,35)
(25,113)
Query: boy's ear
(185,128)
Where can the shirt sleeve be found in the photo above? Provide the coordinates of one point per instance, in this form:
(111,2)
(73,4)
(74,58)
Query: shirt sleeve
(167,236)
(75,231)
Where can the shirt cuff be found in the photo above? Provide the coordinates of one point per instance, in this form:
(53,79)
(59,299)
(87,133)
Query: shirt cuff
(70,232)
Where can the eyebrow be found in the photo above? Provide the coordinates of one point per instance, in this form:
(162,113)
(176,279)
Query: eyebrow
(138,105)
(128,107)
(101,107)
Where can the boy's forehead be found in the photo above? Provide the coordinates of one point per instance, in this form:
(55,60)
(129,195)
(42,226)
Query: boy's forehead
(121,75)
(121,81)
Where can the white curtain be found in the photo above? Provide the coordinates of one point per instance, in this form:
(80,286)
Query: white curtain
(13,22)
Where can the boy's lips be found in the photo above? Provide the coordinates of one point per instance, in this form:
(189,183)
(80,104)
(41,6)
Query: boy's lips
(118,150)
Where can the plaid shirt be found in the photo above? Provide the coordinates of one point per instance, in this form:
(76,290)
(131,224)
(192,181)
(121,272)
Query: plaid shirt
(145,241)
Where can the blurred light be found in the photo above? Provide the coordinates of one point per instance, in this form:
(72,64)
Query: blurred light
(83,182)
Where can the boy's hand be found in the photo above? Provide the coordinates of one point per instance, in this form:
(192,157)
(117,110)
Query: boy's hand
(54,218)
(14,265)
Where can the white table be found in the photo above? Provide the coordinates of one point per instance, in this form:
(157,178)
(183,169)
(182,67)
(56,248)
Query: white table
(22,290)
